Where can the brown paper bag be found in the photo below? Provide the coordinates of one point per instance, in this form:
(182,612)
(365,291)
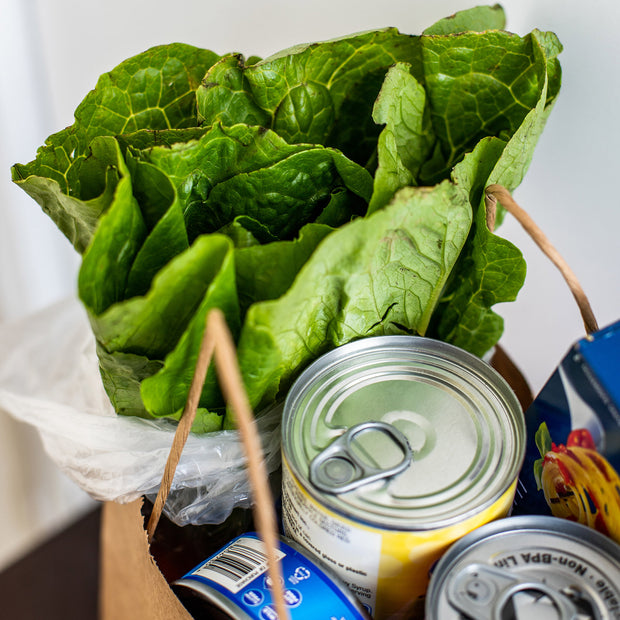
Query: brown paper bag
(131,584)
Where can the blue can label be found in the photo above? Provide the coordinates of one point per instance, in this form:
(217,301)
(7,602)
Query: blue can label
(239,573)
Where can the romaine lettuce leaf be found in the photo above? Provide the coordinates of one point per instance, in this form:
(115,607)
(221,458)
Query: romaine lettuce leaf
(476,19)
(407,139)
(117,239)
(212,260)
(375,276)
(153,90)
(267,271)
(77,213)
(249,171)
(479,85)
(322,93)
(491,269)
(163,217)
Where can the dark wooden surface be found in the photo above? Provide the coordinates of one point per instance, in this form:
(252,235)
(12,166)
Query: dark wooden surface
(59,579)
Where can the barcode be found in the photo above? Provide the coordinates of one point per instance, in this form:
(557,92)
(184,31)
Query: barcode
(234,567)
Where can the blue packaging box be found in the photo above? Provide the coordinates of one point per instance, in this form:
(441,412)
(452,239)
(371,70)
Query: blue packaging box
(573,438)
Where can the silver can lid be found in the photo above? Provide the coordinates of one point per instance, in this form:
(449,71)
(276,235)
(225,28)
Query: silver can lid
(534,567)
(457,439)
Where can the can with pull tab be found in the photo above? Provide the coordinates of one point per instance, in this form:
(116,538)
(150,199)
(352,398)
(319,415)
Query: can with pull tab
(393,448)
(233,584)
(530,567)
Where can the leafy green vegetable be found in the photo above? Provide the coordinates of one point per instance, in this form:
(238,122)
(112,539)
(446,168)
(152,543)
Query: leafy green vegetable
(321,93)
(248,171)
(484,85)
(330,192)
(377,275)
(407,139)
(490,269)
(477,19)
(267,271)
(154,90)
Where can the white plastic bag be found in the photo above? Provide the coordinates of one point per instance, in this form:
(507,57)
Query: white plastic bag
(49,378)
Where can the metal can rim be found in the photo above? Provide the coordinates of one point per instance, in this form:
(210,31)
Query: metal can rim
(561,528)
(476,366)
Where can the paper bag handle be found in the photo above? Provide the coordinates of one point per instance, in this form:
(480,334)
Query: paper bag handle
(217,341)
(497,193)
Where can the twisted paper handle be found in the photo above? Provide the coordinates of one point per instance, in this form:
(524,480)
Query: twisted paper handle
(218,341)
(497,193)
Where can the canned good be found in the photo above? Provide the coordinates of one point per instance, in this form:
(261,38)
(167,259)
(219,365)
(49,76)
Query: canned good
(393,448)
(528,567)
(233,583)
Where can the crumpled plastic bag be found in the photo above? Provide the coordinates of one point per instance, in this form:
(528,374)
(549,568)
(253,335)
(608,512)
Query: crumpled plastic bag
(49,378)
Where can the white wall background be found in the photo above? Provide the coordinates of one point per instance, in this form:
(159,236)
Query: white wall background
(52,52)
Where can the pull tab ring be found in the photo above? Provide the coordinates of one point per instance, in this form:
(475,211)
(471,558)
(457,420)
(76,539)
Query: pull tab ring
(339,469)
(490,593)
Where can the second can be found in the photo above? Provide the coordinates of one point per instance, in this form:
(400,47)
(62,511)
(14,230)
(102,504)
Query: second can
(393,448)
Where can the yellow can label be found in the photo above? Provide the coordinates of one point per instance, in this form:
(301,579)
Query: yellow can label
(388,570)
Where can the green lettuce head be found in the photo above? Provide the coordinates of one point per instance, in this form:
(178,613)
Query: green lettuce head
(330,192)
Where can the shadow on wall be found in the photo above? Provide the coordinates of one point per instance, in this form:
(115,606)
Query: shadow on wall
(35,269)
